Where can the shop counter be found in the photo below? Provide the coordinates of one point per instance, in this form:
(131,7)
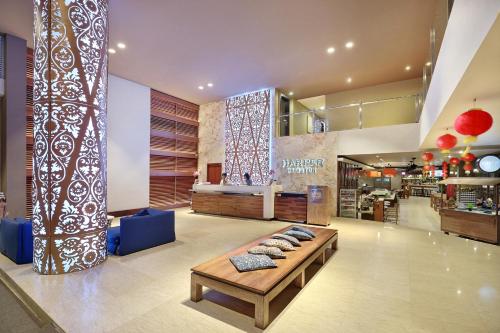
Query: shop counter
(477,224)
(290,206)
(235,200)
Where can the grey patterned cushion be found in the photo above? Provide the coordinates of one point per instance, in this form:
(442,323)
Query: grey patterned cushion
(252,262)
(298,234)
(272,252)
(294,241)
(307,231)
(279,243)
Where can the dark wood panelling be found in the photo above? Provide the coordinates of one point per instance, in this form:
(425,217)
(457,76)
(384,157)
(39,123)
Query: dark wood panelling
(164,163)
(187,130)
(238,205)
(290,208)
(162,191)
(174,150)
(479,226)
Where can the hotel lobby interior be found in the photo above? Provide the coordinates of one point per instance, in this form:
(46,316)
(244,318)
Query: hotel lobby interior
(249,166)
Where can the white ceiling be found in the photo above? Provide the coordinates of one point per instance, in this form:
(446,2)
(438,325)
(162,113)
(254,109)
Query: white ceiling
(482,81)
(244,45)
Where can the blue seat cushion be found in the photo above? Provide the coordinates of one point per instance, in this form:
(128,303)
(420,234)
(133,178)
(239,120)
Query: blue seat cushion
(113,240)
(17,240)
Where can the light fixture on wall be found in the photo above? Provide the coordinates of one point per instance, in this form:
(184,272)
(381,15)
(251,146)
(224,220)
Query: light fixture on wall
(201,87)
(428,63)
(121,45)
(349,45)
(407,68)
(210,84)
(348,80)
(111,51)
(330,50)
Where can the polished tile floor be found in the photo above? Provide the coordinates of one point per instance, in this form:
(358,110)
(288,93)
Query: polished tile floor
(383,278)
(416,212)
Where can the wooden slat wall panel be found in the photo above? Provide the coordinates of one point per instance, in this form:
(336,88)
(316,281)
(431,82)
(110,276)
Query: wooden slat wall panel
(161,191)
(161,124)
(183,185)
(29,126)
(164,144)
(171,189)
(164,163)
(161,103)
(186,164)
(29,157)
(188,113)
(187,130)
(186,147)
(29,203)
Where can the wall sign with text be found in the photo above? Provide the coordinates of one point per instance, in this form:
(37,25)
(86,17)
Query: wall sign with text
(303,166)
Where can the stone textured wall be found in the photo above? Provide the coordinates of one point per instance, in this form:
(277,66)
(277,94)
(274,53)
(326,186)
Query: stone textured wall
(211,136)
(309,146)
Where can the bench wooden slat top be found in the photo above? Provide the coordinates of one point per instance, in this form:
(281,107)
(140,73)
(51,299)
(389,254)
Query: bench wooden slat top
(262,281)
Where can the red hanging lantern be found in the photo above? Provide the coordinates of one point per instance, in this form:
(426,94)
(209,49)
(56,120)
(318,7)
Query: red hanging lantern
(445,165)
(473,123)
(468,167)
(469,157)
(427,156)
(446,142)
(454,161)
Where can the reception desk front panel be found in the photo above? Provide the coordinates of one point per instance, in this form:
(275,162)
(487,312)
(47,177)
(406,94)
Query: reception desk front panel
(232,200)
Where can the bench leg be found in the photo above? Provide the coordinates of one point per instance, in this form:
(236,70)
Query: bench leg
(300,280)
(322,258)
(196,290)
(262,312)
(334,244)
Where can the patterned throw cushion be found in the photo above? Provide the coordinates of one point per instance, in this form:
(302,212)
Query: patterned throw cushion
(272,252)
(279,243)
(294,241)
(307,231)
(252,262)
(298,234)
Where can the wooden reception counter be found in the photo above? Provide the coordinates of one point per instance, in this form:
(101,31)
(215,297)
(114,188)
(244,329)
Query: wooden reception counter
(233,200)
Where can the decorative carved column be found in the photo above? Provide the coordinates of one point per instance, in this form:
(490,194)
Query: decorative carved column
(69,150)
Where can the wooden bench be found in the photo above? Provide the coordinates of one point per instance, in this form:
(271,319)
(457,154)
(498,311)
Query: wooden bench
(260,287)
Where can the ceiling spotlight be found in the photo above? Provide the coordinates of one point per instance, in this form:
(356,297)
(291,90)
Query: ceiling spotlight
(290,93)
(330,50)
(428,63)
(121,45)
(112,51)
(348,80)
(407,68)
(349,45)
(201,87)
(210,84)
(322,108)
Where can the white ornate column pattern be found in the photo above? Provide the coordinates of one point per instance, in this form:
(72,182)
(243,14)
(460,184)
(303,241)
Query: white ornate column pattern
(247,136)
(69,151)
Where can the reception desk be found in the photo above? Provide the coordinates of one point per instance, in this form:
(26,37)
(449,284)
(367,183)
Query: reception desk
(233,200)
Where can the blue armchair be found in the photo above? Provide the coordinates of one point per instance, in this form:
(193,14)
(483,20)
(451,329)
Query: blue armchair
(143,230)
(16,240)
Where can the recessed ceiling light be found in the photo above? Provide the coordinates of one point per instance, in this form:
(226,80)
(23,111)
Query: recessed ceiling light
(349,80)
(349,45)
(121,45)
(210,84)
(321,107)
(407,68)
(112,51)
(290,93)
(428,63)
(201,87)
(330,50)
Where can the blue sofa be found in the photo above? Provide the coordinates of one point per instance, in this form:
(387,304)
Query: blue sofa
(143,230)
(16,240)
